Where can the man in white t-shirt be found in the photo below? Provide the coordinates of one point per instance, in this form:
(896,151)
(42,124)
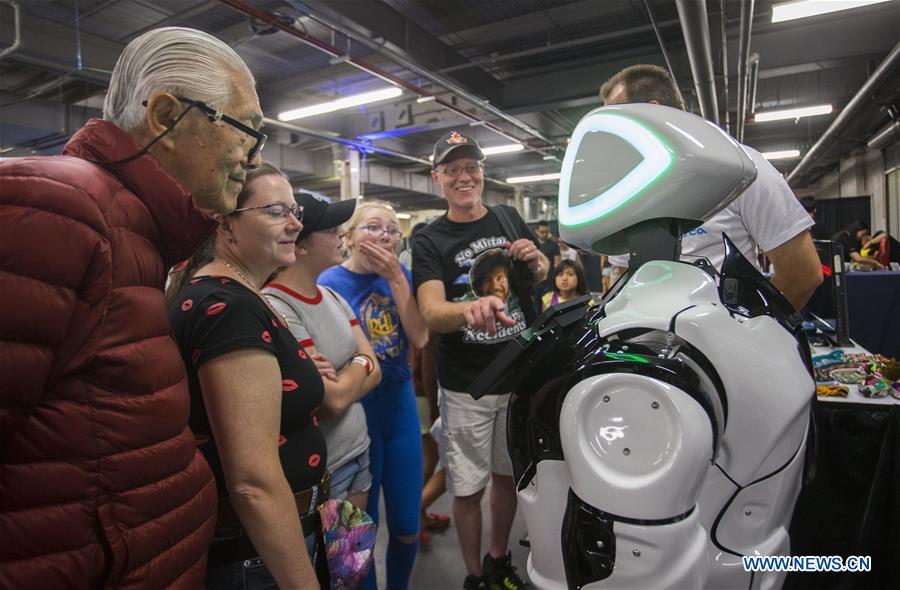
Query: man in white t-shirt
(767,215)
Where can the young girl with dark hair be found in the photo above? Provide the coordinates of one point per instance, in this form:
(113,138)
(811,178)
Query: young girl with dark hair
(568,283)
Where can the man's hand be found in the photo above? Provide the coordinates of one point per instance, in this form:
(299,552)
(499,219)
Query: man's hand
(484,313)
(524,249)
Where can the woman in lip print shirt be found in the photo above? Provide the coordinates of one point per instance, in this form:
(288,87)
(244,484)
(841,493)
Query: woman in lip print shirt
(254,394)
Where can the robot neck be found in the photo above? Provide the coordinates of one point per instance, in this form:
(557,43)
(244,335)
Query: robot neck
(655,239)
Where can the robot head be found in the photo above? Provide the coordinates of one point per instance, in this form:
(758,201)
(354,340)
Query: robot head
(635,162)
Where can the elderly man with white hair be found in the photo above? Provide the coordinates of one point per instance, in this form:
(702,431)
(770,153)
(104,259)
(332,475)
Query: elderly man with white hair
(101,482)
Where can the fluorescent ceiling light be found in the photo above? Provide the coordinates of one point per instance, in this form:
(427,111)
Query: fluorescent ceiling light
(341,103)
(502,149)
(781,155)
(822,109)
(805,8)
(534,178)
(404,216)
(422,99)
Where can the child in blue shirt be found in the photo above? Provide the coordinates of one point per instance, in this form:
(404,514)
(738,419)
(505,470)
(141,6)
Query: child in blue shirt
(379,289)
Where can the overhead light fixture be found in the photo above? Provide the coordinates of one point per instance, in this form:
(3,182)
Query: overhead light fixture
(806,8)
(404,216)
(341,103)
(502,149)
(822,109)
(422,99)
(781,155)
(533,178)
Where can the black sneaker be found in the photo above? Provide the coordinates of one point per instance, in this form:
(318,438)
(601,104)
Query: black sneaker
(475,583)
(501,575)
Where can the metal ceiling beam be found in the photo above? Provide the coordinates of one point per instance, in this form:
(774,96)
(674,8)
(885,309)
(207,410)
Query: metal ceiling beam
(326,136)
(886,72)
(17,26)
(695,26)
(399,57)
(391,78)
(557,46)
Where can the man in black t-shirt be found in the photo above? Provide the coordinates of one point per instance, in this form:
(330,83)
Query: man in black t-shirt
(550,249)
(462,271)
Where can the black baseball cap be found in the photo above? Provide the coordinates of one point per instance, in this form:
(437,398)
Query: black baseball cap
(455,141)
(319,214)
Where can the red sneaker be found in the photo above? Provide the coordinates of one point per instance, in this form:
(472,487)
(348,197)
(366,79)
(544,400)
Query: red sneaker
(435,522)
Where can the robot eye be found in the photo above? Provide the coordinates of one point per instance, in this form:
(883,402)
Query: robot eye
(602,160)
(616,158)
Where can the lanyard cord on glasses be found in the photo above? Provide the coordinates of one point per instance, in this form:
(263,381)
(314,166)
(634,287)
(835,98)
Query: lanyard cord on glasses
(144,149)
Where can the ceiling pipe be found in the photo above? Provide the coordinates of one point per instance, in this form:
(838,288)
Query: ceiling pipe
(884,136)
(752,80)
(399,57)
(884,73)
(659,39)
(725,107)
(17,20)
(743,58)
(379,47)
(695,26)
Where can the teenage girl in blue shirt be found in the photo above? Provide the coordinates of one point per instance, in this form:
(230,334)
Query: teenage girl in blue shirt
(379,289)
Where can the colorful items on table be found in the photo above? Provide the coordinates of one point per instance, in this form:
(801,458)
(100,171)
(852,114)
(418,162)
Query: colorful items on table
(872,373)
(832,390)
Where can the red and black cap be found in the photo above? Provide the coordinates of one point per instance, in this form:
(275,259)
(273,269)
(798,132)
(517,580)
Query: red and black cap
(459,145)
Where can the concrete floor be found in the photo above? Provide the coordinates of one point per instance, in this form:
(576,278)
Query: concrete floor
(439,566)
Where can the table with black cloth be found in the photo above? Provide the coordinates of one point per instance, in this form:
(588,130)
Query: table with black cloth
(850,500)
(873,305)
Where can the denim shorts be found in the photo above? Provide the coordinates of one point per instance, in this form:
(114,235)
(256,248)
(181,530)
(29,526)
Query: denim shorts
(352,477)
(249,574)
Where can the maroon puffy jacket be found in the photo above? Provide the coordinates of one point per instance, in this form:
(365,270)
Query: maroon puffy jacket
(101,483)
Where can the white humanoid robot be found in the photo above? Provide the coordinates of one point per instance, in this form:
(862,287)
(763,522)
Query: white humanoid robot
(659,435)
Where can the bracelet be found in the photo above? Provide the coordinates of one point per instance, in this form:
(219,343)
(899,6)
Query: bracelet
(365,361)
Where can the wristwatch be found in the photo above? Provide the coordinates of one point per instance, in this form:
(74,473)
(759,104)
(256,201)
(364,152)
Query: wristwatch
(365,362)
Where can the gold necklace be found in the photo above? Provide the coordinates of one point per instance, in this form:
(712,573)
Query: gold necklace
(239,273)
(252,287)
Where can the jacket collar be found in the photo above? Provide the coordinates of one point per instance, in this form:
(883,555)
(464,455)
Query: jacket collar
(181,226)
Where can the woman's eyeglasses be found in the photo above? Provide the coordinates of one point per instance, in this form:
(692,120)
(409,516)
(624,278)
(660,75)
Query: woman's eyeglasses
(278,211)
(376,231)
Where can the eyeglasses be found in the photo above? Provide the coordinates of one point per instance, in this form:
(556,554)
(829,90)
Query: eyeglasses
(470,169)
(278,211)
(215,115)
(376,231)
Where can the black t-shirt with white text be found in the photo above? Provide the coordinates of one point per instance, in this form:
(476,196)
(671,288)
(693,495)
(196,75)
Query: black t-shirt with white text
(471,259)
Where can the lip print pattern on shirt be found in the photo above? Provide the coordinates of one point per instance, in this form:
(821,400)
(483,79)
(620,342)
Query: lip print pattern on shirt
(379,318)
